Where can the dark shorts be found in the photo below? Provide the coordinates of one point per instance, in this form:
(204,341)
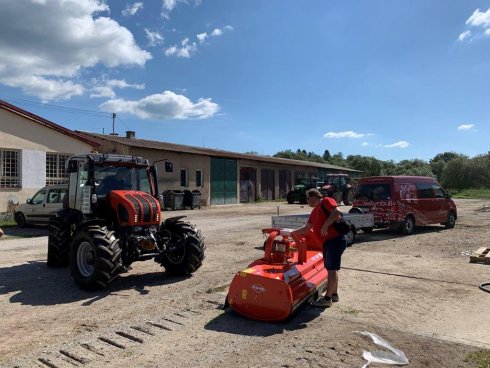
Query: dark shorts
(332,252)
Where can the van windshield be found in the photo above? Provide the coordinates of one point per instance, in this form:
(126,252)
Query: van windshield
(373,192)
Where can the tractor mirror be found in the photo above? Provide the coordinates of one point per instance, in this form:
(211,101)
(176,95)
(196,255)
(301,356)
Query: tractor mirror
(72,166)
(169,166)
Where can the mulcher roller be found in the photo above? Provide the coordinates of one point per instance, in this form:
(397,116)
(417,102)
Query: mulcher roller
(273,287)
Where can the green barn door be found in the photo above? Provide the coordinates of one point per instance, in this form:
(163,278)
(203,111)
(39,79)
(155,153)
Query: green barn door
(223,181)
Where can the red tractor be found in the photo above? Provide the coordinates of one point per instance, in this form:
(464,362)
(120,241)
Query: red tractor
(338,187)
(111,218)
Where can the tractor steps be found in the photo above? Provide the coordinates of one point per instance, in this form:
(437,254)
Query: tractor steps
(481,255)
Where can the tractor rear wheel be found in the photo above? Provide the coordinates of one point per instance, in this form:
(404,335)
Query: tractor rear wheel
(185,248)
(58,242)
(95,258)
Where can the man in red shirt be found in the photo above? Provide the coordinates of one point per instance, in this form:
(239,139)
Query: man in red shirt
(334,243)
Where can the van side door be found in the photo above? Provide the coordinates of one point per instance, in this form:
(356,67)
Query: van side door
(35,208)
(54,201)
(442,202)
(425,208)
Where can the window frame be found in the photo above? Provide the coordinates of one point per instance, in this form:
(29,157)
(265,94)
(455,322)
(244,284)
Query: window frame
(55,168)
(10,169)
(201,184)
(185,183)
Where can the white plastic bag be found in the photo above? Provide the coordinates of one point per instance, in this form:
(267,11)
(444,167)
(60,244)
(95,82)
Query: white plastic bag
(396,357)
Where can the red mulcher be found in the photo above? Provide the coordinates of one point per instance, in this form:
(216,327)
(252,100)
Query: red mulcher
(273,287)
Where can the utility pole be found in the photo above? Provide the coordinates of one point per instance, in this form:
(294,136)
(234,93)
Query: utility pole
(113,121)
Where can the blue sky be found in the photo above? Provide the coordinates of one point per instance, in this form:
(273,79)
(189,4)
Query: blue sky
(391,79)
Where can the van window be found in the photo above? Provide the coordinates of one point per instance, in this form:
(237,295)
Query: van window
(373,192)
(56,195)
(39,197)
(424,190)
(438,191)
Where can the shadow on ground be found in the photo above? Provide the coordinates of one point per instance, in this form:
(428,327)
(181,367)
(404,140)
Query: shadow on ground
(231,322)
(33,283)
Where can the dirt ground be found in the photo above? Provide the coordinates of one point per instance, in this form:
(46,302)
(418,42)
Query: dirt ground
(420,293)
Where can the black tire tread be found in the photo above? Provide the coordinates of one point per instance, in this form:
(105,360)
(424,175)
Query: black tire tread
(59,239)
(108,257)
(194,250)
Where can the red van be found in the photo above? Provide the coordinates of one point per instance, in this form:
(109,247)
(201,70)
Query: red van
(403,202)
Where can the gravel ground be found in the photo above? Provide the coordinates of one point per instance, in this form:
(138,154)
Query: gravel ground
(419,292)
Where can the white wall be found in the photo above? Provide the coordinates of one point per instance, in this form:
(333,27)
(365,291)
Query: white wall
(31,176)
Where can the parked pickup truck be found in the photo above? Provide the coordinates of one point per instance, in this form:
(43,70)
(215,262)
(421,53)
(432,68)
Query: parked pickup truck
(364,222)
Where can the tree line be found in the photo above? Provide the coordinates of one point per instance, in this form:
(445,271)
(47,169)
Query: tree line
(451,169)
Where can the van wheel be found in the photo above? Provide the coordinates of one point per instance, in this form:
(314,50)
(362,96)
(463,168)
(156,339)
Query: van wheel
(451,220)
(350,237)
(20,219)
(408,226)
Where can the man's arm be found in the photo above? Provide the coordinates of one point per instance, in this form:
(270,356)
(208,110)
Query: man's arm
(303,230)
(334,215)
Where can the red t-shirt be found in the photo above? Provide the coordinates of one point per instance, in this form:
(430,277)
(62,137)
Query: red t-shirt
(318,218)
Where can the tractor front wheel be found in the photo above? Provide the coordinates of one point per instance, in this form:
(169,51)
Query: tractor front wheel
(185,248)
(58,243)
(95,258)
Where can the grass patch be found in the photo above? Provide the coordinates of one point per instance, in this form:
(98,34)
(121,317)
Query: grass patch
(471,194)
(482,358)
(7,223)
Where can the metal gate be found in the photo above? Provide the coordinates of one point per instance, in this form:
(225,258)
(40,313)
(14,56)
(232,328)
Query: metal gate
(267,184)
(248,184)
(223,181)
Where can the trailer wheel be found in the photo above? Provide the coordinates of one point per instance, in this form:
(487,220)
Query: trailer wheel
(367,229)
(185,248)
(408,225)
(451,220)
(95,258)
(350,237)
(58,243)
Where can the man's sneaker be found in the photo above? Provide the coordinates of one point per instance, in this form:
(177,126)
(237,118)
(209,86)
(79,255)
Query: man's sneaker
(335,298)
(322,303)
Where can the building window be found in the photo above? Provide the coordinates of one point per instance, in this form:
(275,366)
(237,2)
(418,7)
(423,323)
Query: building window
(199,178)
(55,168)
(183,178)
(10,169)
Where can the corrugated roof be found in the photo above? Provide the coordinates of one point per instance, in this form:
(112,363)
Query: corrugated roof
(46,123)
(144,143)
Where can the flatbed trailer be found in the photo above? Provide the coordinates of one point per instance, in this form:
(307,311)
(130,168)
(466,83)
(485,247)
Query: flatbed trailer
(357,222)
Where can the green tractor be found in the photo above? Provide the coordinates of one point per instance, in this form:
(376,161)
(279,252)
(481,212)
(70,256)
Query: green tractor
(298,194)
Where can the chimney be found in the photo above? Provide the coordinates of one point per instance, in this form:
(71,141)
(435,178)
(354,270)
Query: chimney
(131,134)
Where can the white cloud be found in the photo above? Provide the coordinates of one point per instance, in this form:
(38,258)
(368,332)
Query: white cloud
(364,144)
(400,144)
(105,88)
(164,106)
(347,134)
(219,32)
(132,9)
(202,37)
(45,61)
(185,51)
(169,5)
(154,38)
(466,126)
(463,36)
(479,19)
(216,32)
